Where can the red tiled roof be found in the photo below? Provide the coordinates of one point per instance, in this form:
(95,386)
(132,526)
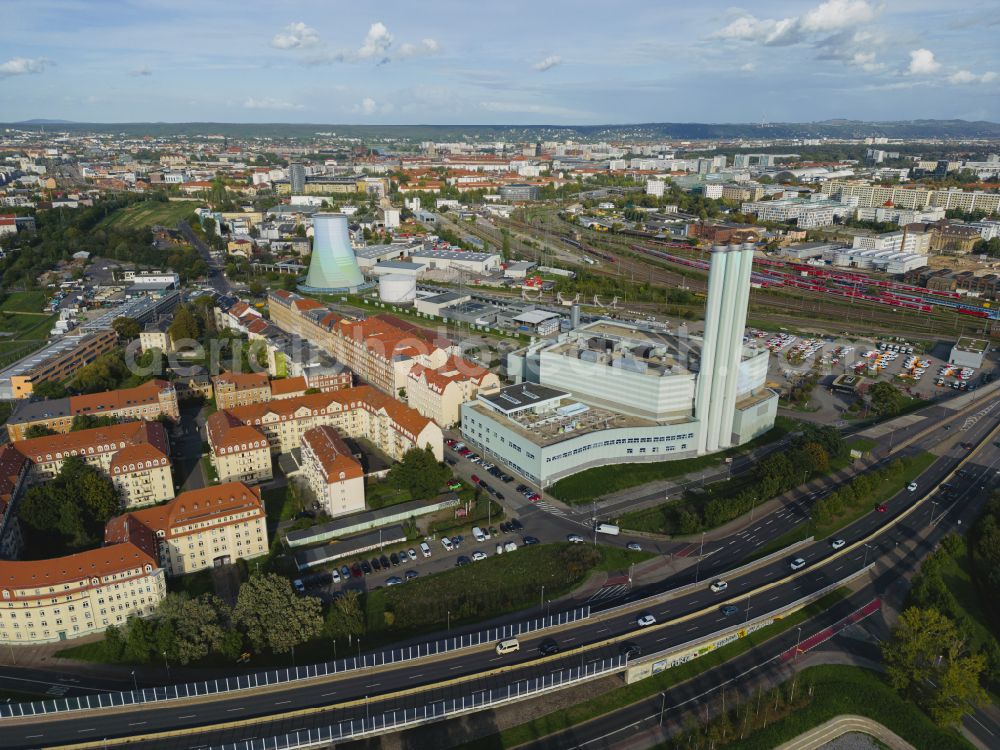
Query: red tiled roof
(333,455)
(284,386)
(94,563)
(147,393)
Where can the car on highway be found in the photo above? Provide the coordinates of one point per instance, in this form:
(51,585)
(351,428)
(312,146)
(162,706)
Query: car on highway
(630,650)
(635,546)
(797,564)
(477,555)
(718,586)
(881,508)
(644,621)
(393,581)
(912,486)
(837,543)
(548,647)
(462,560)
(574,539)
(730,609)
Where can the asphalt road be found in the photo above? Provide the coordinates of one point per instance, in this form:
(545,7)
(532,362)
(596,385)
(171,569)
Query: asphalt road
(700,610)
(216,279)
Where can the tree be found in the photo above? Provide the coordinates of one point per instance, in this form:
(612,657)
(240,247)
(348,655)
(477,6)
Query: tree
(49,389)
(90,421)
(39,430)
(126,328)
(273,616)
(345,617)
(928,662)
(419,473)
(199,626)
(886,399)
(185,325)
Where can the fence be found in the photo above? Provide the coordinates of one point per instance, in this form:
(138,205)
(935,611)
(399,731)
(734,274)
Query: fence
(404,718)
(291,674)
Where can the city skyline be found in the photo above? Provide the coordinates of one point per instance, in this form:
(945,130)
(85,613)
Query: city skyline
(538,64)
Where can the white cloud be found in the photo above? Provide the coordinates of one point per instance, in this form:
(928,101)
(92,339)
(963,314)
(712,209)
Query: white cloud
(922,63)
(961,77)
(269,103)
(376,43)
(20,66)
(835,15)
(827,18)
(369,106)
(748,67)
(532,108)
(142,70)
(296,35)
(547,64)
(424,48)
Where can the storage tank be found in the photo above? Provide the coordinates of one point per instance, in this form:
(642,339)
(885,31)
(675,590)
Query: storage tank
(397,288)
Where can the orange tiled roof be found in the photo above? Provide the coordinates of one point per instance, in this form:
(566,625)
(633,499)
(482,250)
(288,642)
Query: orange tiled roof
(333,455)
(101,439)
(147,393)
(94,563)
(284,386)
(242,381)
(226,431)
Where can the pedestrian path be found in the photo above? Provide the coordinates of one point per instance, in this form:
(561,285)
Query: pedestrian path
(550,508)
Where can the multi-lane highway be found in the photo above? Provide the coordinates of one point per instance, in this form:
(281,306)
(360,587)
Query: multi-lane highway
(680,619)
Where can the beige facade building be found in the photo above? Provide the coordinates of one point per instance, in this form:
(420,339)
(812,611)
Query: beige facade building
(134,455)
(198,529)
(73,596)
(241,388)
(239,452)
(393,427)
(156,336)
(147,401)
(439,393)
(334,475)
(905,197)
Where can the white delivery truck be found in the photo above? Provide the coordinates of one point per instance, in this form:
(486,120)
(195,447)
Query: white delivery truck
(608,528)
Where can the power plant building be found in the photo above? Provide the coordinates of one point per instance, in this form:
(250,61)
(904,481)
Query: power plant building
(333,268)
(608,392)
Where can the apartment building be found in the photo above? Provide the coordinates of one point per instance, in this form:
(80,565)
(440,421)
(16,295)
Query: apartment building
(156,335)
(198,529)
(439,393)
(241,388)
(897,242)
(903,197)
(334,474)
(390,425)
(60,361)
(14,468)
(147,401)
(68,597)
(239,452)
(134,455)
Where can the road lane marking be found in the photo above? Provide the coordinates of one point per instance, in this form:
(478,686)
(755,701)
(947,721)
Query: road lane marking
(137,724)
(327,695)
(238,708)
(84,730)
(188,716)
(413,677)
(278,703)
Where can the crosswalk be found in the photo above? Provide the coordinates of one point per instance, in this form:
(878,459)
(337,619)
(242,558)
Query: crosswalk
(550,508)
(609,593)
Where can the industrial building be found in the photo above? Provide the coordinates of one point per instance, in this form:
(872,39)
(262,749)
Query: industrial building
(333,269)
(608,392)
(969,352)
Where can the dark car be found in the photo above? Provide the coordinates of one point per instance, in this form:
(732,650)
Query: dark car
(730,610)
(462,560)
(516,525)
(410,575)
(505,478)
(451,461)
(630,650)
(522,487)
(385,561)
(530,540)
(345,572)
(365,567)
(394,559)
(356,570)
(498,496)
(376,565)
(548,647)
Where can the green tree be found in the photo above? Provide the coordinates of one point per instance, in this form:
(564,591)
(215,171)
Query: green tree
(90,421)
(199,626)
(39,430)
(345,617)
(185,325)
(273,616)
(419,473)
(49,389)
(886,399)
(929,663)
(126,328)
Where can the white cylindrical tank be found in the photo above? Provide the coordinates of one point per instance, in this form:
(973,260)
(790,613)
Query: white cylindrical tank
(395,287)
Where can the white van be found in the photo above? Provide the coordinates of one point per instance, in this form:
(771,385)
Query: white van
(425,549)
(478,535)
(607,528)
(509,646)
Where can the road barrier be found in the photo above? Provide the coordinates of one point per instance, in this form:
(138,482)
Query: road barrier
(407,718)
(291,674)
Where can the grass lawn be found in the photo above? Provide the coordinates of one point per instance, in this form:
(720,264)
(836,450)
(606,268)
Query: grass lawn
(279,504)
(614,699)
(838,690)
(24,302)
(920,463)
(486,589)
(603,480)
(382,494)
(148,213)
(26,326)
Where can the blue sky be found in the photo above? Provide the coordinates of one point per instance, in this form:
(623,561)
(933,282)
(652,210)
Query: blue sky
(455,61)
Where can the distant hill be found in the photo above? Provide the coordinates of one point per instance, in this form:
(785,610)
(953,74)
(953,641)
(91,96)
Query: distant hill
(948,129)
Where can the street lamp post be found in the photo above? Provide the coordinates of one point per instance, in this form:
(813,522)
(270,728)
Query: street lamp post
(135,682)
(541,602)
(865,564)
(448,628)
(798,641)
(167,665)
(663,706)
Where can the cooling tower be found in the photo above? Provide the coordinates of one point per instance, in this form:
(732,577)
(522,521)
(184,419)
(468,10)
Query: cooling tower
(332,266)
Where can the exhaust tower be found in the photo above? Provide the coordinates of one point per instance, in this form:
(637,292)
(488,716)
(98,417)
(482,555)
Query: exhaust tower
(333,267)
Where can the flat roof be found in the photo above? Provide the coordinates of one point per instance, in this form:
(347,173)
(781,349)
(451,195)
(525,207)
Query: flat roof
(368,516)
(349,546)
(521,396)
(969,344)
(445,298)
(402,265)
(535,316)
(468,255)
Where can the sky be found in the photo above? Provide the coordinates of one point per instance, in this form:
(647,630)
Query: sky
(514,62)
